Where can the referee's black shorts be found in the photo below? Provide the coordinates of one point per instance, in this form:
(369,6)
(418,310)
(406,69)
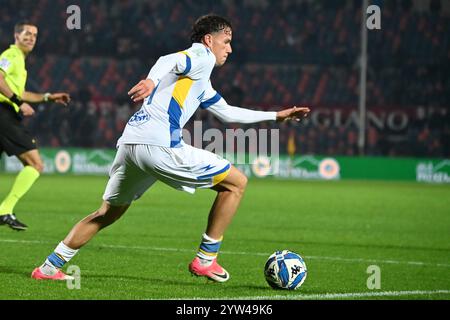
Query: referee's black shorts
(15,139)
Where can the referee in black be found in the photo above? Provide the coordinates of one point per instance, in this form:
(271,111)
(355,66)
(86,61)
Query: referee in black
(15,139)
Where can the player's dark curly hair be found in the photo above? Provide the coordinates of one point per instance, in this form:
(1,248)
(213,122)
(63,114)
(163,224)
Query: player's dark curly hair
(209,23)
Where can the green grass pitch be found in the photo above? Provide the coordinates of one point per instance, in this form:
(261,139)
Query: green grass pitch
(340,228)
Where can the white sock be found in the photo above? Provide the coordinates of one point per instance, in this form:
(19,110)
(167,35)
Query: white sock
(208,259)
(205,262)
(57,259)
(65,252)
(48,268)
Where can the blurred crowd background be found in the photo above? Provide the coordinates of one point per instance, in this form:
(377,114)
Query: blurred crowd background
(287,52)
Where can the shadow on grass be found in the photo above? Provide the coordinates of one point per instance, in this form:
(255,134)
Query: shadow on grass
(195,282)
(96,281)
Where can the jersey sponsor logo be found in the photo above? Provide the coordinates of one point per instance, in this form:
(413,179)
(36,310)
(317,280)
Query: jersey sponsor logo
(139,118)
(4,64)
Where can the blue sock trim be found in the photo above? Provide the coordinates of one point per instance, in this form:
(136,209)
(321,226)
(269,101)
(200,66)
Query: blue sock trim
(210,247)
(55,260)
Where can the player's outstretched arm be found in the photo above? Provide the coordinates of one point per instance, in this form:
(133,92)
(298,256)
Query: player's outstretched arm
(294,113)
(227,113)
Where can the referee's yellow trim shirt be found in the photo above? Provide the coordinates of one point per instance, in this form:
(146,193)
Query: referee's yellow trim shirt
(12,65)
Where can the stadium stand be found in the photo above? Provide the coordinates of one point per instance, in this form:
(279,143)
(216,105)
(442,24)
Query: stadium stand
(285,52)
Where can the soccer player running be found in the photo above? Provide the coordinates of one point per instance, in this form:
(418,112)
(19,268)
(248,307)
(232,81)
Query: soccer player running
(151,148)
(15,139)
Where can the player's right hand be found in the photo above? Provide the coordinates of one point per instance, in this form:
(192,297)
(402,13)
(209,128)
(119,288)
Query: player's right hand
(294,113)
(26,109)
(142,90)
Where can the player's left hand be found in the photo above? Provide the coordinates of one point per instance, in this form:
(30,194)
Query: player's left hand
(141,90)
(294,113)
(60,97)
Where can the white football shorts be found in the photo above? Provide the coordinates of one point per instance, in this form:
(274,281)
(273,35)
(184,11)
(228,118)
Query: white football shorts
(137,167)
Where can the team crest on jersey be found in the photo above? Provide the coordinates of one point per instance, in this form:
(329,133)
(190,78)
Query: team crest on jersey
(139,118)
(4,64)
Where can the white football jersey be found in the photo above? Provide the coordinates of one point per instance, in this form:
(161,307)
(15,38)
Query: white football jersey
(182,84)
(175,98)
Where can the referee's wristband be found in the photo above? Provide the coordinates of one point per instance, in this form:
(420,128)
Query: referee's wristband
(15,99)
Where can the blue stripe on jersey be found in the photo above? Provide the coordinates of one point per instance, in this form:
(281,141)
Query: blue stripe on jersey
(149,101)
(210,102)
(200,97)
(207,176)
(188,65)
(174,120)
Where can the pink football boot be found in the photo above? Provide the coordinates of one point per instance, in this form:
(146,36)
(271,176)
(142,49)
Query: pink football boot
(37,274)
(214,271)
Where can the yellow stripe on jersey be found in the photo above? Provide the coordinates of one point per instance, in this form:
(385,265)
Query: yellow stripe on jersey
(181,90)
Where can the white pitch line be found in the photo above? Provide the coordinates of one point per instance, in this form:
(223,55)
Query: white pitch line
(340,259)
(326,296)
